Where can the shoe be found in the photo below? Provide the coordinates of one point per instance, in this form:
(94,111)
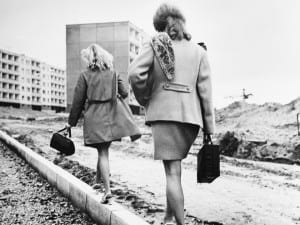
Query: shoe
(96,186)
(106,197)
(168,223)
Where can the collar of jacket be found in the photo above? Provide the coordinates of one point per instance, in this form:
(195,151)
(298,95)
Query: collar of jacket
(163,51)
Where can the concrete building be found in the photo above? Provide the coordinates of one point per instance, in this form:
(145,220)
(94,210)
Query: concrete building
(122,39)
(28,82)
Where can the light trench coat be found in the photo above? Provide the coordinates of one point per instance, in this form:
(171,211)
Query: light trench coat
(106,117)
(187,98)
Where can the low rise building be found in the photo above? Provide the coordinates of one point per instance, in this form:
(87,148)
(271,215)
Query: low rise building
(28,82)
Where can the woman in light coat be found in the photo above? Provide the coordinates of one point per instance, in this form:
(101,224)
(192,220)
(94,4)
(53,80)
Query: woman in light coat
(99,93)
(171,77)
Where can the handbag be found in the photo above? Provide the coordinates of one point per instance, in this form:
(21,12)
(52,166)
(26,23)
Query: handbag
(208,162)
(62,143)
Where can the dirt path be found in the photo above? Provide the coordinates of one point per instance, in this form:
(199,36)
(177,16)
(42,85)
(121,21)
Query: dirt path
(247,192)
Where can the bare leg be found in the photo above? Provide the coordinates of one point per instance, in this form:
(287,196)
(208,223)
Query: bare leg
(169,214)
(175,199)
(98,171)
(103,164)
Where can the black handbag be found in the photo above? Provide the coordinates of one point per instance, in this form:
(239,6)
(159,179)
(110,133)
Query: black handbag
(208,163)
(62,143)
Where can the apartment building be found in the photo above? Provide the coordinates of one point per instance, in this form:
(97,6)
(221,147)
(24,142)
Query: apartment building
(28,82)
(122,39)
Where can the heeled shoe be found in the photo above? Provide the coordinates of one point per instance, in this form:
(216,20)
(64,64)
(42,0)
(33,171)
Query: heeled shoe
(169,223)
(105,198)
(96,186)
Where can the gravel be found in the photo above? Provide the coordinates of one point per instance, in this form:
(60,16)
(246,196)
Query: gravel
(26,198)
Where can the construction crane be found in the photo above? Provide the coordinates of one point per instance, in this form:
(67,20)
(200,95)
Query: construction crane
(244,95)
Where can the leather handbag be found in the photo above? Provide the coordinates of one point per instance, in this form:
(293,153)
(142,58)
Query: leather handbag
(208,163)
(62,143)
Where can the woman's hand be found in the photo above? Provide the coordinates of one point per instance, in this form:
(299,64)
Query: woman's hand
(207,138)
(68,130)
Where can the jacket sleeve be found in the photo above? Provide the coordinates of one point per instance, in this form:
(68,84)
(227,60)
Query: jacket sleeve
(121,87)
(204,89)
(138,73)
(79,99)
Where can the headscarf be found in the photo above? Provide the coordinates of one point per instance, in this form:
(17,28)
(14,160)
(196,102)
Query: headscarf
(163,51)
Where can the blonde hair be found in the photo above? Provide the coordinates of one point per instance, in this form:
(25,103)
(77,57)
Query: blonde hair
(167,16)
(96,57)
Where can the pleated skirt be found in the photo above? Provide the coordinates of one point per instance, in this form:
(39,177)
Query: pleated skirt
(173,140)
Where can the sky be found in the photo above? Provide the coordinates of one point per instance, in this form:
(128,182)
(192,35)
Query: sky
(252,44)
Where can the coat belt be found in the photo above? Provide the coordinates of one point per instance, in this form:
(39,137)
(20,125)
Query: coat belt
(98,101)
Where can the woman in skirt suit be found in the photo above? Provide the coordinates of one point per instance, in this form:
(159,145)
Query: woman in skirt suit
(99,93)
(171,78)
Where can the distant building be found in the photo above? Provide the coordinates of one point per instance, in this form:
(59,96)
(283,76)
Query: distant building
(122,39)
(28,82)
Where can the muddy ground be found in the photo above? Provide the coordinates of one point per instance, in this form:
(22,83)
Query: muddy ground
(248,192)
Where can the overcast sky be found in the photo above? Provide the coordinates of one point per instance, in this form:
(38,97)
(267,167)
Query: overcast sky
(252,44)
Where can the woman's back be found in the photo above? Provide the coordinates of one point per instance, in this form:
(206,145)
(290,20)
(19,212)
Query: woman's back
(100,84)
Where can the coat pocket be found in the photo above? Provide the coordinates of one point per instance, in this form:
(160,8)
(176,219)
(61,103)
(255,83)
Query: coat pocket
(177,87)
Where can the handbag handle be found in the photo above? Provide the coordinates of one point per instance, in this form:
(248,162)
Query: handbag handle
(68,130)
(207,139)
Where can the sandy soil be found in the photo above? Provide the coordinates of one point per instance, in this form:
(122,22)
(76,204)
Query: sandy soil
(248,192)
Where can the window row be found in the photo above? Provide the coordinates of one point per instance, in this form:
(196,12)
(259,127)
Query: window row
(58,93)
(58,86)
(9,76)
(134,48)
(56,78)
(9,86)
(10,96)
(7,66)
(57,71)
(10,57)
(134,33)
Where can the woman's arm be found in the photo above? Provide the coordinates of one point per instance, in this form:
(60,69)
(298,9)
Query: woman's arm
(205,94)
(139,72)
(79,99)
(121,87)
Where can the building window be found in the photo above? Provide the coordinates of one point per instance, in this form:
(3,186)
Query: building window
(136,35)
(4,55)
(136,50)
(131,49)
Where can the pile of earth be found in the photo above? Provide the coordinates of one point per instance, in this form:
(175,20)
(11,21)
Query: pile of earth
(265,132)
